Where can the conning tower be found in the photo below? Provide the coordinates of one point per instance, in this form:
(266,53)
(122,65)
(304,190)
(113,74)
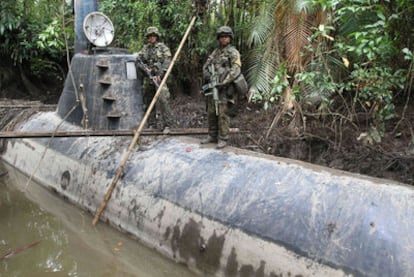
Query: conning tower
(103,88)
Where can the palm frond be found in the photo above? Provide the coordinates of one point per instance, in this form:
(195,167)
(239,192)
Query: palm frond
(261,29)
(262,66)
(262,59)
(296,38)
(305,6)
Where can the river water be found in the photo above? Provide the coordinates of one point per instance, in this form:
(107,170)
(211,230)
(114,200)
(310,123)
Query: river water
(42,235)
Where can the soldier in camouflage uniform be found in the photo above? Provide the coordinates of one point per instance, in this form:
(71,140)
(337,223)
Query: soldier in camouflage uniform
(156,57)
(227,64)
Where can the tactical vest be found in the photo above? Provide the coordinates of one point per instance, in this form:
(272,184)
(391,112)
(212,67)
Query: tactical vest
(156,56)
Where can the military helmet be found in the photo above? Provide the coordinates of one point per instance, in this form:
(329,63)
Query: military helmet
(152,30)
(225,30)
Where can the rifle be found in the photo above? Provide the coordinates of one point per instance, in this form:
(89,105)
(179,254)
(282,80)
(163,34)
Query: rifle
(147,71)
(211,88)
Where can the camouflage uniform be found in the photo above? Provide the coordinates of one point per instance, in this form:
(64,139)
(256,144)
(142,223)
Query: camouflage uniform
(227,65)
(157,57)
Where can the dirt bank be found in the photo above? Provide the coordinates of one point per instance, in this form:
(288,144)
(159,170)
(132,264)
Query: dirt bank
(318,142)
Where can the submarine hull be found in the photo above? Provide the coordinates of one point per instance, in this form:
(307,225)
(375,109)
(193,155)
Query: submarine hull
(229,213)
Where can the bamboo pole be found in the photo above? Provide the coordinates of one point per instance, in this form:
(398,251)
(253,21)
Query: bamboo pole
(29,106)
(104,133)
(141,126)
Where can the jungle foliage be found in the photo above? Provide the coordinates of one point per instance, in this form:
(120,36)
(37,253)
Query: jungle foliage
(33,34)
(322,56)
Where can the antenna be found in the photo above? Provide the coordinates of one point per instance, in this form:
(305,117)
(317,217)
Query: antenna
(98,29)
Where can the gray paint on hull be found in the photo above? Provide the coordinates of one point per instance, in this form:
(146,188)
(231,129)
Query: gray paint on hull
(350,222)
(338,220)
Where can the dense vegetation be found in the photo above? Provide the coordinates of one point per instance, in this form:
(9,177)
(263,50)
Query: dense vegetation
(319,68)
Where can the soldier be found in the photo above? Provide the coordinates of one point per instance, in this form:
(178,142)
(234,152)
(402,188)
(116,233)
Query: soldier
(225,63)
(154,59)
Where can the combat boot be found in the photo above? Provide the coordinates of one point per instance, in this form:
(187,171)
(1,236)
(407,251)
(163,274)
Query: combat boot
(208,139)
(221,144)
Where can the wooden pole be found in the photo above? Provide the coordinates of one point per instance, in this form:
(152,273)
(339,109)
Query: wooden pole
(104,133)
(141,126)
(29,106)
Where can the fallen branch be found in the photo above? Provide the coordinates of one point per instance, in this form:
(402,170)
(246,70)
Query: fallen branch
(16,251)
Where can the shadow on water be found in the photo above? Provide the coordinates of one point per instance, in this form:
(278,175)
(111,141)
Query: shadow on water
(42,235)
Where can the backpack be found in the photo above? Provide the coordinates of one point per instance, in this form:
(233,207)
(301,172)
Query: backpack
(241,85)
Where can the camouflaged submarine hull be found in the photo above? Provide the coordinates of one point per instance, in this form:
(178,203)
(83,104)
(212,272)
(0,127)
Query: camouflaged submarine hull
(231,212)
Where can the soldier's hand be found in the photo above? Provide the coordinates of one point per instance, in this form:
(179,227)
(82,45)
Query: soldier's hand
(157,79)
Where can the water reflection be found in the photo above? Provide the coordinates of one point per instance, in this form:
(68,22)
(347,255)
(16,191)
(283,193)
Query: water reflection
(42,235)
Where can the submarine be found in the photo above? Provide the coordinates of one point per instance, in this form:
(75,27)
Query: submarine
(228,212)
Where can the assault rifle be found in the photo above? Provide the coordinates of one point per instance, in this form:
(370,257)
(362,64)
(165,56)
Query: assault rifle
(211,88)
(147,71)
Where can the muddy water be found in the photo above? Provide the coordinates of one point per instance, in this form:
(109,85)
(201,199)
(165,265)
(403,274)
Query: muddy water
(41,235)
